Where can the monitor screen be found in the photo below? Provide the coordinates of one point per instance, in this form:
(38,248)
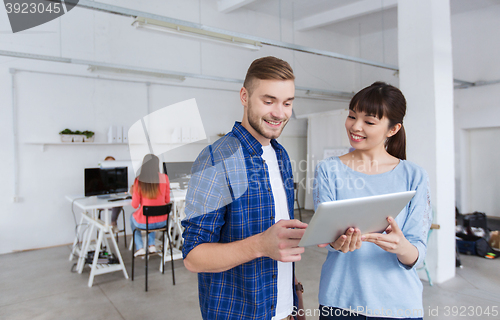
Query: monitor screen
(178,172)
(100,181)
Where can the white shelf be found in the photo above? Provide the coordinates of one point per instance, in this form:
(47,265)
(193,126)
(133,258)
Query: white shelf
(43,144)
(75,143)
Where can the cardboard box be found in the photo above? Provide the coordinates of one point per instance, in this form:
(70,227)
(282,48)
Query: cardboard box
(495,239)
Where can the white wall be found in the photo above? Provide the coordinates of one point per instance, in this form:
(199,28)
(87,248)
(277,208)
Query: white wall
(476,57)
(48,103)
(483,166)
(379,46)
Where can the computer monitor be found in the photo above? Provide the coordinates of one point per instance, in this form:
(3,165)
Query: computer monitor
(103,181)
(178,172)
(122,163)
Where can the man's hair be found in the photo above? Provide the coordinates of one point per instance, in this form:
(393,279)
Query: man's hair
(268,68)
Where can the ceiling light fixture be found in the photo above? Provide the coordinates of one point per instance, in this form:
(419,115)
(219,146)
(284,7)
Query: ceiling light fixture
(329,95)
(115,71)
(200,34)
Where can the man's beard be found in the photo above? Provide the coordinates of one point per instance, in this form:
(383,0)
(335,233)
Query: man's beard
(258,126)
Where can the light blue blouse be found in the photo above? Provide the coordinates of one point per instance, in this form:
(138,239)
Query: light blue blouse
(370,280)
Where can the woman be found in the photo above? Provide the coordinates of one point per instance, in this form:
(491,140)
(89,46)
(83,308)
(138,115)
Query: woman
(151,188)
(373,276)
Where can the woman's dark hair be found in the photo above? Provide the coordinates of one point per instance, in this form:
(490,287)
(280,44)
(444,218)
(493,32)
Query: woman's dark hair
(148,176)
(383,100)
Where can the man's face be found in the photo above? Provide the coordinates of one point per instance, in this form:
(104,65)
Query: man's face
(268,108)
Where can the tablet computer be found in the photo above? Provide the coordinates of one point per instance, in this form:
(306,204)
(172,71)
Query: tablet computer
(368,214)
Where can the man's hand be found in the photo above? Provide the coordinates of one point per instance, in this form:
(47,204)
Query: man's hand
(394,241)
(349,241)
(301,314)
(280,241)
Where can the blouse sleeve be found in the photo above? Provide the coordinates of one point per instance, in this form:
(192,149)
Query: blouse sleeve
(136,196)
(418,222)
(322,188)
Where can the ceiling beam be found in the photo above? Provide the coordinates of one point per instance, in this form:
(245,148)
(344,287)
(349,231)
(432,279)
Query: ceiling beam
(94,5)
(309,91)
(226,6)
(343,13)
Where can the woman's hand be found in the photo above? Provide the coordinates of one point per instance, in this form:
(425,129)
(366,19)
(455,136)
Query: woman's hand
(394,241)
(349,241)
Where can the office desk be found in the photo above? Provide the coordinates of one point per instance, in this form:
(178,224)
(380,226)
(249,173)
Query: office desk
(178,198)
(90,206)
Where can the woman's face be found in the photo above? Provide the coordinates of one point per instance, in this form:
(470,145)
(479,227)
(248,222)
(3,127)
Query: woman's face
(367,132)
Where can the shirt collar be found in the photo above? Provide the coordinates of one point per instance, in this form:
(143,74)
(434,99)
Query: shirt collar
(249,142)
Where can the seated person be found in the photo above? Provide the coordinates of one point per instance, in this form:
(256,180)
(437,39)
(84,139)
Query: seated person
(115,212)
(151,188)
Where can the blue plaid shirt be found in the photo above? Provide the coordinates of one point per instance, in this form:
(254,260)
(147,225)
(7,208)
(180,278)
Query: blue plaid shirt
(236,207)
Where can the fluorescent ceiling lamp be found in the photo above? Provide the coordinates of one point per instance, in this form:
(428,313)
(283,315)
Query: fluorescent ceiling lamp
(328,95)
(156,25)
(115,71)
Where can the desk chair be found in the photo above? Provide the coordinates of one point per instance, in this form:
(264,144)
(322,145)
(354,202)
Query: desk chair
(124,230)
(296,188)
(424,265)
(154,211)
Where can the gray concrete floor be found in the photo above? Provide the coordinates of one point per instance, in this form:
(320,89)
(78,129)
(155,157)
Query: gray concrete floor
(39,285)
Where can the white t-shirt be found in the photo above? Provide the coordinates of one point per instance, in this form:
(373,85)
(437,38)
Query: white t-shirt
(284,305)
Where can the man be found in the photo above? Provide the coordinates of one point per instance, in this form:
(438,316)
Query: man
(238,234)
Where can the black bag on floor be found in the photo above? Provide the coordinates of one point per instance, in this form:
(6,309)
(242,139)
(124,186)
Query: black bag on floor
(473,245)
(476,220)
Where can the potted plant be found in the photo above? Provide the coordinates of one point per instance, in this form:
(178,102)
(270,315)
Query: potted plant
(66,135)
(88,136)
(78,136)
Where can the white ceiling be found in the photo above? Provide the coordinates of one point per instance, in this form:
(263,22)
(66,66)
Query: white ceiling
(296,10)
